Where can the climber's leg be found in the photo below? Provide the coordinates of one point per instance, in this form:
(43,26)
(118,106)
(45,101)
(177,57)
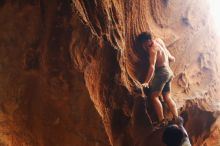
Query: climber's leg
(161,77)
(167,98)
(157,105)
(171,104)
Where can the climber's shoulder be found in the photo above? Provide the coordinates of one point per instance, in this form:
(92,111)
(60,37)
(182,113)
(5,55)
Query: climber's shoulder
(153,49)
(159,42)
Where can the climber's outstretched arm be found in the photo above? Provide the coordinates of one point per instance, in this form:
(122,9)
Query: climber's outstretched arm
(153,57)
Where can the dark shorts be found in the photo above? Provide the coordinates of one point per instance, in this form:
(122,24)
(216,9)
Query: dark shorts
(162,80)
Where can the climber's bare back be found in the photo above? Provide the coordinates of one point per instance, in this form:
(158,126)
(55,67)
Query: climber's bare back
(162,54)
(162,57)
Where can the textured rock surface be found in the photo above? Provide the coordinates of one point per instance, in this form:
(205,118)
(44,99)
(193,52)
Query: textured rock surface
(43,98)
(57,56)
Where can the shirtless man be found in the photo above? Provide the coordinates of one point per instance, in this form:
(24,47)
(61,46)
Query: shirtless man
(159,74)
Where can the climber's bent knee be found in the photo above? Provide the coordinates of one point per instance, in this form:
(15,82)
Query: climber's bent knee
(155,94)
(165,94)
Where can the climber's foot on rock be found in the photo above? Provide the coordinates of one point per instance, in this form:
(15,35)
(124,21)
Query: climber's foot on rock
(160,125)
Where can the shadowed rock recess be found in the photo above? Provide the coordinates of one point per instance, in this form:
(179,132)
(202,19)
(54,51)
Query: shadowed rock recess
(69,71)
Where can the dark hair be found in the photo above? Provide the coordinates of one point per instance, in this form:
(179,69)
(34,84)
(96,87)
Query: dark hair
(173,136)
(144,36)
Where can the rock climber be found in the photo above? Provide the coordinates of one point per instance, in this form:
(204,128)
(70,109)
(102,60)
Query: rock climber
(159,74)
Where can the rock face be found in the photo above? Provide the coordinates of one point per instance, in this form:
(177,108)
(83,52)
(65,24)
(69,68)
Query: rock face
(43,97)
(58,56)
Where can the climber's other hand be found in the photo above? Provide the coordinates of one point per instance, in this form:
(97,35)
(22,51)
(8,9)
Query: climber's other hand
(145,85)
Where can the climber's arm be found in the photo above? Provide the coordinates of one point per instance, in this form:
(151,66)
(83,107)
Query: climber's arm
(171,57)
(153,57)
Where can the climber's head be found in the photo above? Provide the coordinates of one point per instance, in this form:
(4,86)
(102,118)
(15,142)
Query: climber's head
(173,135)
(145,39)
